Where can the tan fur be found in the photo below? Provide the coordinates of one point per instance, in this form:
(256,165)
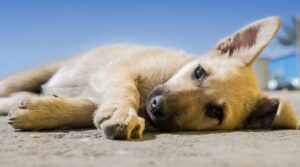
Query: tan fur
(115,83)
(28,80)
(52,112)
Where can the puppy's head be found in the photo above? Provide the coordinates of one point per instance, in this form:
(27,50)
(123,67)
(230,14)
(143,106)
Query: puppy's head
(219,90)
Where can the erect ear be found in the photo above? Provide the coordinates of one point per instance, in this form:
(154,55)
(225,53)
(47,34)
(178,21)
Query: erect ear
(247,43)
(272,112)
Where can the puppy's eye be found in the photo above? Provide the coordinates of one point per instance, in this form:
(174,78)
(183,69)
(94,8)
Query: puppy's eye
(214,111)
(199,73)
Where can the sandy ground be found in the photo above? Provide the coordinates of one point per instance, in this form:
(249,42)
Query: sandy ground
(89,148)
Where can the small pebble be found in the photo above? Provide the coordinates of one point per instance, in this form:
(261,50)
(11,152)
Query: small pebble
(36,136)
(84,139)
(61,135)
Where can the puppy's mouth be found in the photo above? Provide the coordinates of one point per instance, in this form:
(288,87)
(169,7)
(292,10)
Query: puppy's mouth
(161,123)
(150,120)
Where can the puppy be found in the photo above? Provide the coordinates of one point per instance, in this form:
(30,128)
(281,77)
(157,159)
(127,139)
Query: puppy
(116,88)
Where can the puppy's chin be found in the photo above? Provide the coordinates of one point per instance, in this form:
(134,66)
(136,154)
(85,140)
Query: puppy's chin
(150,124)
(166,124)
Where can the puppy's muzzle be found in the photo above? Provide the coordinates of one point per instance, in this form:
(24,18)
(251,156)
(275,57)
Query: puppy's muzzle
(156,103)
(158,113)
(156,106)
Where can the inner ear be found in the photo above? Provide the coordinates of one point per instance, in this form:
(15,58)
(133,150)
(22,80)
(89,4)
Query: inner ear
(272,112)
(247,43)
(263,113)
(245,39)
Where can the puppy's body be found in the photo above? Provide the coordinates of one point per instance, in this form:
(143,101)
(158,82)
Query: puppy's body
(87,75)
(97,75)
(117,87)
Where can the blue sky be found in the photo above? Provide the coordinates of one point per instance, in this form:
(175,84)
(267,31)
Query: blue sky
(35,31)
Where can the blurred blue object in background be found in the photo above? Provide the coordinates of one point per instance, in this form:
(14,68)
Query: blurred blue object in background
(284,67)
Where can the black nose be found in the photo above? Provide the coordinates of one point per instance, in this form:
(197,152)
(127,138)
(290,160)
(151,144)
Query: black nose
(156,106)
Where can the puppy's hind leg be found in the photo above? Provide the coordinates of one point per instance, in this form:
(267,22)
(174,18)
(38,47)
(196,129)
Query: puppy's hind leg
(41,113)
(6,103)
(29,80)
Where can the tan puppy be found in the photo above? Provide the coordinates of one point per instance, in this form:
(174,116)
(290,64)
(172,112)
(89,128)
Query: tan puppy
(117,87)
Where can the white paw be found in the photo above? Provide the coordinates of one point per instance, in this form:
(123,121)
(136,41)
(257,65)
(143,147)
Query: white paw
(123,125)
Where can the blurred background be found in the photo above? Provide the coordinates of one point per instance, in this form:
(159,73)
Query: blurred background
(34,32)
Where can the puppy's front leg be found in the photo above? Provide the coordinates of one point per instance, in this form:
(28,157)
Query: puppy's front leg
(117,114)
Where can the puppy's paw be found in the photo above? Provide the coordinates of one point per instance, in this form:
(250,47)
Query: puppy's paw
(103,115)
(35,114)
(20,116)
(123,125)
(4,109)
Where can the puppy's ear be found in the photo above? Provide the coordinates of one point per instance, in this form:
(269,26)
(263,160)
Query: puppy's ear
(247,43)
(272,112)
